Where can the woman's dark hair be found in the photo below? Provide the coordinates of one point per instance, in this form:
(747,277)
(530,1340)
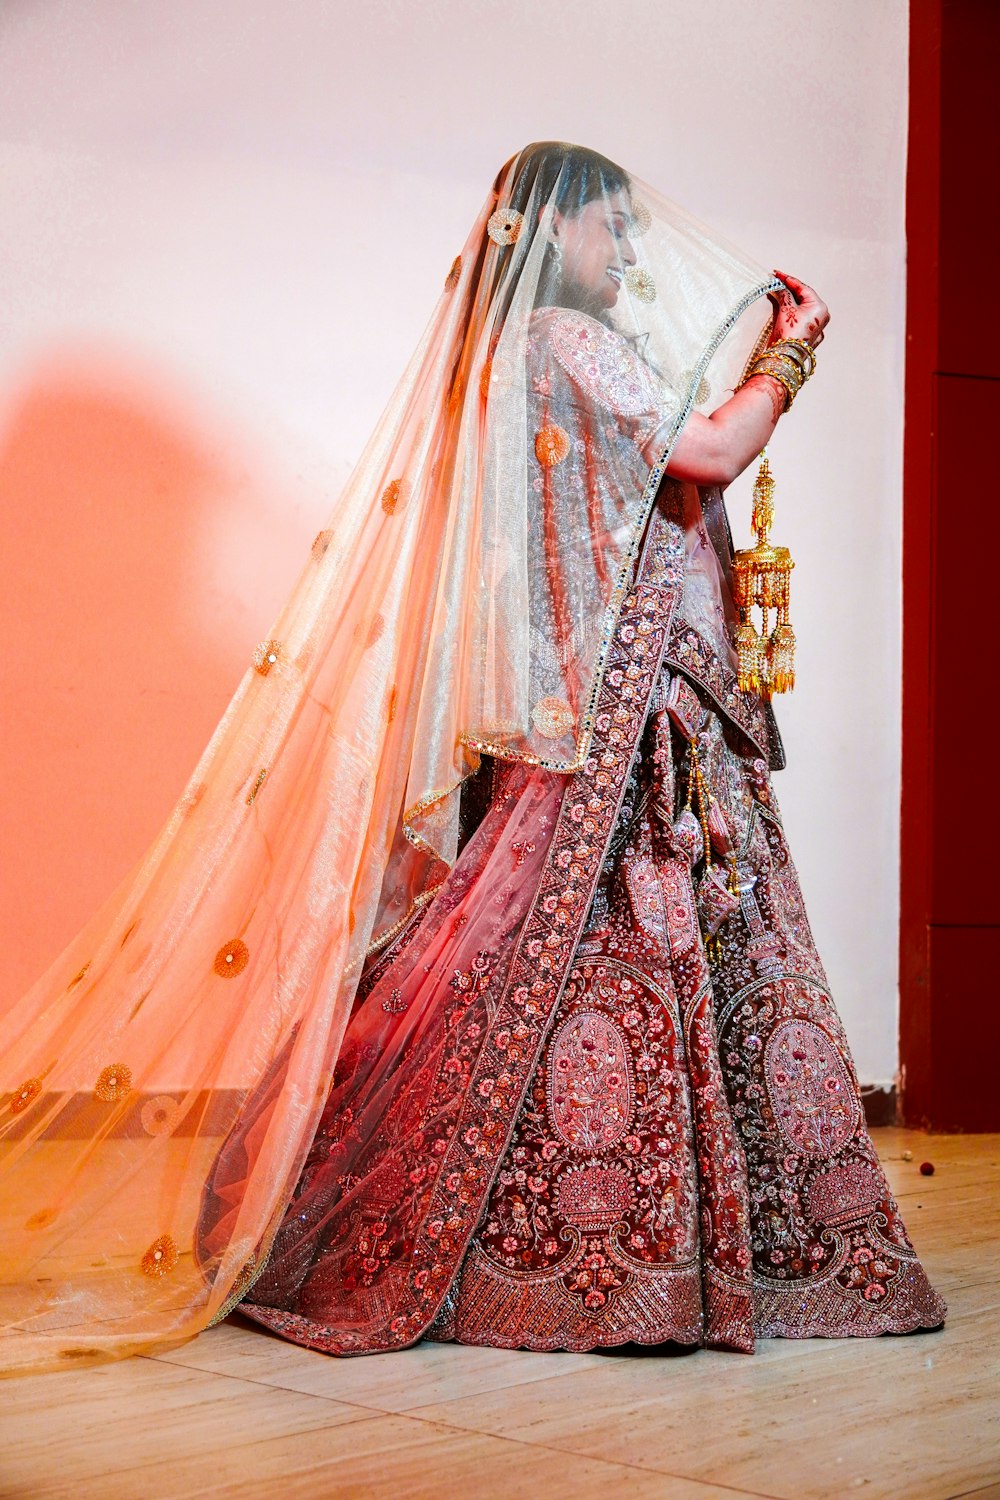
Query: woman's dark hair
(547,172)
(566,176)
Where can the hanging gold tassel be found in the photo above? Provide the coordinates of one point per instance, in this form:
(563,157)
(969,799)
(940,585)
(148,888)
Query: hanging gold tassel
(761,578)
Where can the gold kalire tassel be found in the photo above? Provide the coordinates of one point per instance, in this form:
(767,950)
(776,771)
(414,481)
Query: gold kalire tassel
(761,577)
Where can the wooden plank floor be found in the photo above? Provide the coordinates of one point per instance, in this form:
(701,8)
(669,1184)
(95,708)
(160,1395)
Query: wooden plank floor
(239,1413)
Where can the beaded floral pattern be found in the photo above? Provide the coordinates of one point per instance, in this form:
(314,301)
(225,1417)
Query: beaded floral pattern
(640,284)
(551,445)
(114,1082)
(553,718)
(232,959)
(22,1097)
(161,1257)
(504,226)
(391,496)
(160,1114)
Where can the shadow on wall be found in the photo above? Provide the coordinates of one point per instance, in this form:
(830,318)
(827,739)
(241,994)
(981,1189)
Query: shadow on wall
(142,561)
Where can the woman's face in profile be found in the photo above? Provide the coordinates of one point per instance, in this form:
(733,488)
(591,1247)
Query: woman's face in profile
(595,246)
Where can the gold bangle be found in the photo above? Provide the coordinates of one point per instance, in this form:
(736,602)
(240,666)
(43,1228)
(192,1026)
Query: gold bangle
(803,354)
(776,352)
(783,367)
(807,350)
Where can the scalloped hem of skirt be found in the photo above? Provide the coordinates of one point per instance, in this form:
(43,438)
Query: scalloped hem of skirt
(776,1329)
(586,1345)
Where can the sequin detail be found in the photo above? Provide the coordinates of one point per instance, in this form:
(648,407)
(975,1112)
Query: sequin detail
(258,783)
(232,959)
(391,495)
(551,445)
(266,656)
(703,391)
(159,1115)
(25,1095)
(641,220)
(161,1257)
(454,275)
(114,1082)
(504,226)
(553,718)
(321,541)
(640,284)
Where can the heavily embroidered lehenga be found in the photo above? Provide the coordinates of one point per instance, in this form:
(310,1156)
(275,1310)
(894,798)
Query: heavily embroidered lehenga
(596,1133)
(488,1060)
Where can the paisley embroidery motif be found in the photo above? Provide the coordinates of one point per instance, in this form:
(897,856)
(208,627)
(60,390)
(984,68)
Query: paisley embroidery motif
(814,1103)
(590,1088)
(647,898)
(605,365)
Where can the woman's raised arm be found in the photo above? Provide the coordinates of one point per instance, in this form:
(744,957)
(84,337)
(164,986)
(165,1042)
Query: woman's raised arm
(715,449)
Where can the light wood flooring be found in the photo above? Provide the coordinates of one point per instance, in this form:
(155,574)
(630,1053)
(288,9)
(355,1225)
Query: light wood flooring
(239,1413)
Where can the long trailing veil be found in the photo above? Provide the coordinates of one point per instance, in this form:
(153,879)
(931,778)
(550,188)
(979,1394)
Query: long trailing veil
(450,609)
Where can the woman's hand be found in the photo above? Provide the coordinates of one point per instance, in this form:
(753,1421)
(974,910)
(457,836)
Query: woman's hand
(801,312)
(713,450)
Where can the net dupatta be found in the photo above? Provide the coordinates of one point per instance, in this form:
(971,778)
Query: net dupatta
(461,601)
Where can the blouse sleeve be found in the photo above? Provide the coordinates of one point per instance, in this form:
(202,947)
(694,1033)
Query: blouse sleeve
(609,371)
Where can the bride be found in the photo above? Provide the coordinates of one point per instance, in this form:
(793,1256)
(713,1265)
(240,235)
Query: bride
(468,992)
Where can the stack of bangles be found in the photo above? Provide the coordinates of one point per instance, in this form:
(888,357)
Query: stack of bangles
(789,361)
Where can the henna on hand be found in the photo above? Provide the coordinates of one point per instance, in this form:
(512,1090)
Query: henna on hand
(776,392)
(800,312)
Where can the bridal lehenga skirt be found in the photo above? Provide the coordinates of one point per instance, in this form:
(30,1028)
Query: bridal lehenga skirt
(675,1151)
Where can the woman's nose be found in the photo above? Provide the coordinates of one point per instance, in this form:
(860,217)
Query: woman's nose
(628,254)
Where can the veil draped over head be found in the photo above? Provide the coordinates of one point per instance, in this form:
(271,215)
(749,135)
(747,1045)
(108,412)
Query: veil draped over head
(461,602)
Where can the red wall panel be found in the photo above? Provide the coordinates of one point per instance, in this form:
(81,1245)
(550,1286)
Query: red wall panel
(950,845)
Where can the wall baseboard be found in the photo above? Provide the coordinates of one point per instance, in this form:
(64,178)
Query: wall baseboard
(881,1104)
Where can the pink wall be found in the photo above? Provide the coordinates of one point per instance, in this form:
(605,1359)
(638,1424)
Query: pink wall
(224,227)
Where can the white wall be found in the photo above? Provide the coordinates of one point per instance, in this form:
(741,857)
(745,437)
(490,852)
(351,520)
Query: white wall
(256,202)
